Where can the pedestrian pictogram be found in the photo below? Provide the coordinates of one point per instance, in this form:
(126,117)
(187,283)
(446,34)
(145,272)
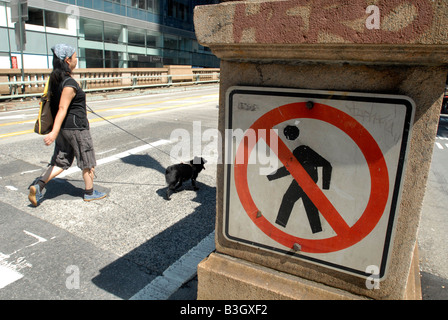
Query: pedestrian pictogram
(310,160)
(338,211)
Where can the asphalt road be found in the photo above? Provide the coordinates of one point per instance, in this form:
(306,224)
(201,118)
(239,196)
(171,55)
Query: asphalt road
(134,244)
(433,238)
(113,248)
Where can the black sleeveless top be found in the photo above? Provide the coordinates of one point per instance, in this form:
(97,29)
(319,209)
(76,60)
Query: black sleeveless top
(76,118)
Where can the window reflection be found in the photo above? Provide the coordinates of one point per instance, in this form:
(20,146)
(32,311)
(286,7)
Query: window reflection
(107,44)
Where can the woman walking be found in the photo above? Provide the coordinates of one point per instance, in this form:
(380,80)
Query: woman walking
(71,127)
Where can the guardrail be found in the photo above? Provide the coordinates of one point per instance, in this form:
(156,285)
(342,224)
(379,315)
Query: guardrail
(92,80)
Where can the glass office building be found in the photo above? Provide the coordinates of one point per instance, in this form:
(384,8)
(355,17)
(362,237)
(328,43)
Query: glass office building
(107,33)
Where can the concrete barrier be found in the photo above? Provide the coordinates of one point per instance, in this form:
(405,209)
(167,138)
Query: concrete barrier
(97,79)
(288,63)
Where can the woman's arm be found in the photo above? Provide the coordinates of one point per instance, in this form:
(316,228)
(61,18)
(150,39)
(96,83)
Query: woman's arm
(68,93)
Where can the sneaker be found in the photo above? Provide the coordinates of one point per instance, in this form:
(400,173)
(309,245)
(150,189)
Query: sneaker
(35,196)
(96,195)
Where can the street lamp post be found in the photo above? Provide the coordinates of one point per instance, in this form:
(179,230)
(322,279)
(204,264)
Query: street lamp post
(19,14)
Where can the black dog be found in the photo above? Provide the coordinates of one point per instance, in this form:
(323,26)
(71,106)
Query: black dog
(176,174)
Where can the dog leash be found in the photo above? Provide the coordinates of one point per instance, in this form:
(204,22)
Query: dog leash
(131,134)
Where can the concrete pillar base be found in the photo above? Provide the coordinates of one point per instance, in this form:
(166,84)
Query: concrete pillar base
(414,286)
(222,277)
(300,45)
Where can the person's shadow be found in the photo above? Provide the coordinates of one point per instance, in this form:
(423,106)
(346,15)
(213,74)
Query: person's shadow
(64,189)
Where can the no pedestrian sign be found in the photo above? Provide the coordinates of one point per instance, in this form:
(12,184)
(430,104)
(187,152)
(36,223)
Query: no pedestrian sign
(316,174)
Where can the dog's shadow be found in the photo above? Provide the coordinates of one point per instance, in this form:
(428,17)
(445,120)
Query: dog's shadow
(186,187)
(144,160)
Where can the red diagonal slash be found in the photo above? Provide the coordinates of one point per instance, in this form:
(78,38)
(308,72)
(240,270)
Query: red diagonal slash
(307,184)
(379,178)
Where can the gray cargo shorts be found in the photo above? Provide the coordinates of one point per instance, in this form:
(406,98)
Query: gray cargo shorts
(71,144)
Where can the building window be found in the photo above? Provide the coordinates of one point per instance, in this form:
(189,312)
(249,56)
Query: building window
(112,59)
(52,19)
(56,20)
(92,29)
(153,39)
(113,33)
(171,42)
(35,17)
(93,58)
(136,37)
(139,4)
(178,10)
(149,5)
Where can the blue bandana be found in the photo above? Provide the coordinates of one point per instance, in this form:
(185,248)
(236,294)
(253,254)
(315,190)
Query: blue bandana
(63,51)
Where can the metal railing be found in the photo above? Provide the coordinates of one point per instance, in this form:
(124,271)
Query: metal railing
(132,82)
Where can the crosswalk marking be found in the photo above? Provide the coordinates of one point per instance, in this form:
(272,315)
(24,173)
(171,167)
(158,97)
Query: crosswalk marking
(8,276)
(180,272)
(440,143)
(118,156)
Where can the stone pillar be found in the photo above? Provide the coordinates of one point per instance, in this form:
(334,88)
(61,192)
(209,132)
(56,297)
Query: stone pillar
(396,48)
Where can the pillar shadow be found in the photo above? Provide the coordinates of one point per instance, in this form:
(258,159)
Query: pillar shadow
(129,274)
(433,287)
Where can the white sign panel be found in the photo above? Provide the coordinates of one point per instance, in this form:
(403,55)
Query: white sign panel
(316,174)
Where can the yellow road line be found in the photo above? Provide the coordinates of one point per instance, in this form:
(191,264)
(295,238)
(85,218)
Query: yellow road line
(122,115)
(12,134)
(158,102)
(123,107)
(17,122)
(148,111)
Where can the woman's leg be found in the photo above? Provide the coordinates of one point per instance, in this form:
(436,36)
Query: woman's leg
(87,175)
(89,193)
(62,159)
(52,172)
(35,195)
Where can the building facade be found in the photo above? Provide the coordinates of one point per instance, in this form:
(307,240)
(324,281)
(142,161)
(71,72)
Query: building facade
(106,33)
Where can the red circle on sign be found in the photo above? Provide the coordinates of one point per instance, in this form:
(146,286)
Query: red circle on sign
(346,236)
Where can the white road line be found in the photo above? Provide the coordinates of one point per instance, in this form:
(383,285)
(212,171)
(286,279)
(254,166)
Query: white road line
(30,171)
(180,272)
(9,271)
(8,276)
(35,236)
(118,156)
(20,116)
(104,152)
(439,145)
